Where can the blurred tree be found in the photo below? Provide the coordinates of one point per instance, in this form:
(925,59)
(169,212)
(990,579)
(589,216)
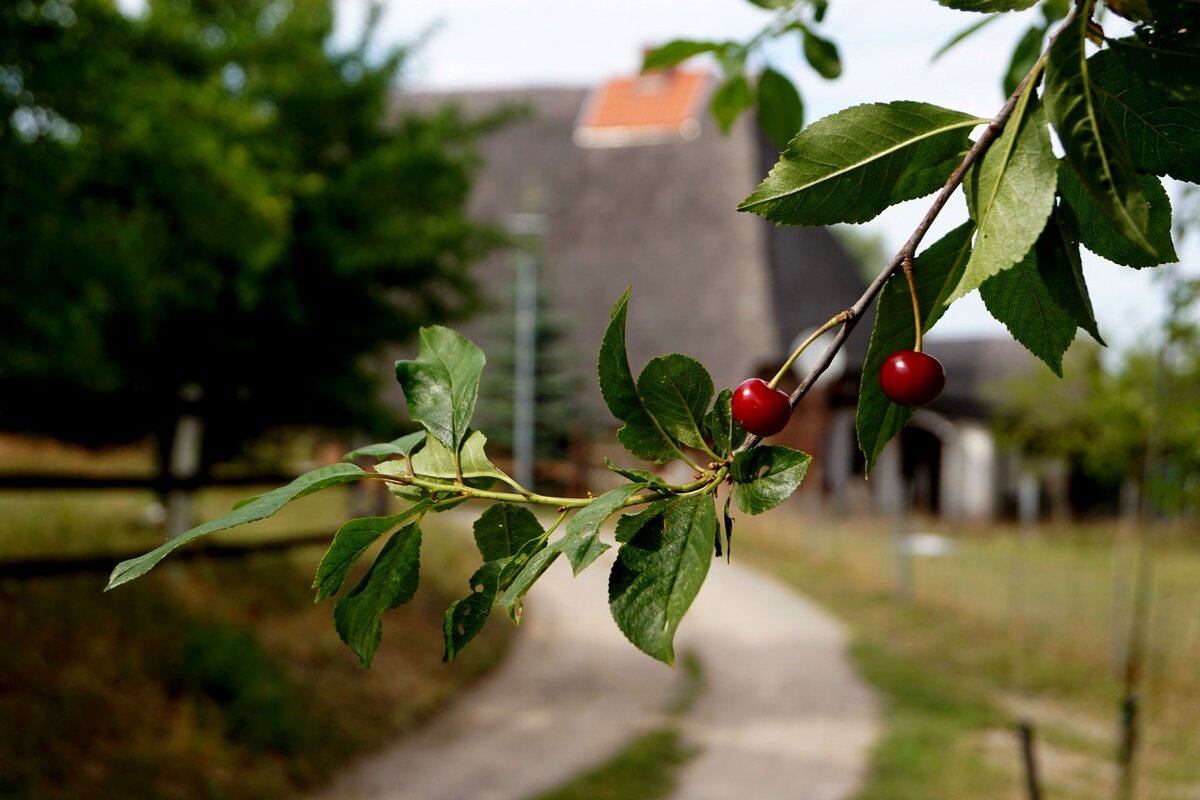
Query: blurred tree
(208,196)
(1136,422)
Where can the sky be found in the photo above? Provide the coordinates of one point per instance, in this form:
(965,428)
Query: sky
(885,47)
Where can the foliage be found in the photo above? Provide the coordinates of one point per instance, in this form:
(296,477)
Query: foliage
(190,191)
(1029,213)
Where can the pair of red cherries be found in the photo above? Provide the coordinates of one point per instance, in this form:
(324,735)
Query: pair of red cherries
(908,377)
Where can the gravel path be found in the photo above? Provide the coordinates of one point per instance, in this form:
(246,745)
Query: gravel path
(782,714)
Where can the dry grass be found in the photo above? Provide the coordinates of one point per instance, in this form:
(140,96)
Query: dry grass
(1032,626)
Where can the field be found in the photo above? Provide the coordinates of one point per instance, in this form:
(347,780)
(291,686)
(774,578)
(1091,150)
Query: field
(1008,625)
(211,677)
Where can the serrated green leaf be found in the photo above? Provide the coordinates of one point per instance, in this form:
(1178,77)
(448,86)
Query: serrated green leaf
(442,384)
(852,165)
(353,539)
(672,53)
(1019,299)
(676,390)
(260,507)
(1094,147)
(640,434)
(581,537)
(392,582)
(435,461)
(936,272)
(987,6)
(1097,235)
(397,447)
(727,434)
(503,529)
(766,475)
(642,476)
(1136,10)
(465,618)
(1010,193)
(519,584)
(1024,56)
(1163,133)
(659,572)
(780,109)
(629,524)
(1161,58)
(822,55)
(730,99)
(1062,271)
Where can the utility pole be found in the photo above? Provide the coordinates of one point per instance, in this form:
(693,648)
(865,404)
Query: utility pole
(529,228)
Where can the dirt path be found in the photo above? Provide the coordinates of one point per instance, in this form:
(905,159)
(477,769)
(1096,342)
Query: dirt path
(782,715)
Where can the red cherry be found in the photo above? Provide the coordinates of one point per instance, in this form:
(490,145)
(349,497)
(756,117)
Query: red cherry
(760,409)
(911,378)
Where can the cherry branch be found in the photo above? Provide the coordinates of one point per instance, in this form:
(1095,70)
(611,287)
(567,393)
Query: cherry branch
(849,317)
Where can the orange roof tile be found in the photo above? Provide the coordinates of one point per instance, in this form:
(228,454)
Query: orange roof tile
(655,107)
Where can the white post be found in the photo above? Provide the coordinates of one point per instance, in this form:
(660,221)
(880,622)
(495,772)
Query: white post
(186,447)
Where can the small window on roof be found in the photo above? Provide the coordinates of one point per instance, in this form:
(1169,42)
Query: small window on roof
(653,108)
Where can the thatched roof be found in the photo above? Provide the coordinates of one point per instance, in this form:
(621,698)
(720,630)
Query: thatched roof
(725,287)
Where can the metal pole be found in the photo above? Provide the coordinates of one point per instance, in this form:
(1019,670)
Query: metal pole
(525,267)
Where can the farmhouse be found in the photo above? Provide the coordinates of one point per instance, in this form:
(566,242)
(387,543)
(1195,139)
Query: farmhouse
(630,184)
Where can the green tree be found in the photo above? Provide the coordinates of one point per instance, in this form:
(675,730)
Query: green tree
(209,196)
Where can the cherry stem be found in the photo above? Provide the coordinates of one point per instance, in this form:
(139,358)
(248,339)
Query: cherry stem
(912,291)
(817,334)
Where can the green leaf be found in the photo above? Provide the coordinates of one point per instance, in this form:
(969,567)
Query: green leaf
(350,542)
(1136,10)
(630,524)
(852,165)
(1019,298)
(822,55)
(260,507)
(435,461)
(672,53)
(1163,133)
(728,528)
(519,584)
(442,384)
(959,37)
(730,99)
(727,434)
(1094,146)
(1062,272)
(936,272)
(397,447)
(1025,55)
(780,109)
(640,434)
(1097,235)
(642,476)
(659,572)
(1167,62)
(1010,193)
(391,583)
(465,618)
(987,6)
(766,475)
(503,529)
(676,390)
(581,538)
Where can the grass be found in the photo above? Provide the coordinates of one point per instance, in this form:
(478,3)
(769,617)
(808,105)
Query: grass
(1006,626)
(215,678)
(648,766)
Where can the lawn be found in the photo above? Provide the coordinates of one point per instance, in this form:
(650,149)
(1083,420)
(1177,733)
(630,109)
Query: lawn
(1008,625)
